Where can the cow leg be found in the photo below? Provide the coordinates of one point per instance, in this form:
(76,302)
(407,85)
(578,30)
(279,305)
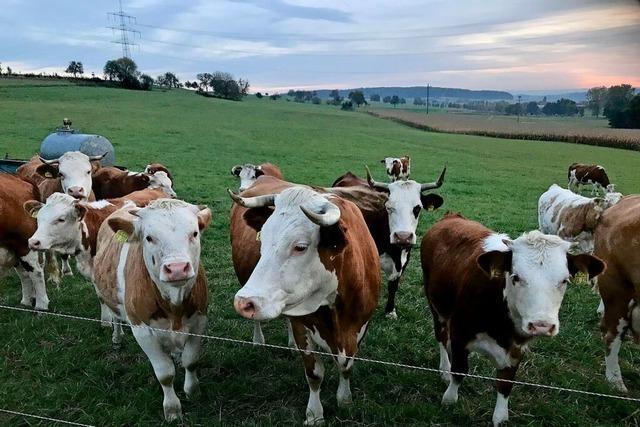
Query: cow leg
(393,266)
(459,365)
(66,266)
(164,369)
(258,337)
(53,268)
(344,362)
(32,279)
(314,372)
(501,410)
(116,336)
(390,308)
(613,341)
(291,341)
(600,309)
(191,355)
(442,336)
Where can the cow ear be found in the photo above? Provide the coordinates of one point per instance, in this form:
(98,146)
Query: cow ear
(431,201)
(95,165)
(256,217)
(48,170)
(333,238)
(383,161)
(599,203)
(259,172)
(585,263)
(81,210)
(236,170)
(495,264)
(204,217)
(123,224)
(32,207)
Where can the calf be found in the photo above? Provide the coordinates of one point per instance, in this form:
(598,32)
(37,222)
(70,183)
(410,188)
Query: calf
(397,167)
(594,175)
(110,182)
(155,279)
(318,266)
(16,226)
(249,173)
(158,167)
(569,215)
(616,242)
(492,295)
(70,174)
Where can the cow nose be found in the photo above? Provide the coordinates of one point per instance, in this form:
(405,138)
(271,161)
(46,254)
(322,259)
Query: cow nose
(175,271)
(403,238)
(245,307)
(35,244)
(541,328)
(76,192)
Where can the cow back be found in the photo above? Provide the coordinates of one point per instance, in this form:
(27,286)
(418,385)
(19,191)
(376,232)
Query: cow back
(16,225)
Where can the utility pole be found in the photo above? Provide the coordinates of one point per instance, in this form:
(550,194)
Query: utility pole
(427,99)
(121,22)
(519,106)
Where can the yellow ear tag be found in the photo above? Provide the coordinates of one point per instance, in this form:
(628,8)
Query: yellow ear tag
(34,214)
(430,208)
(121,236)
(258,236)
(48,175)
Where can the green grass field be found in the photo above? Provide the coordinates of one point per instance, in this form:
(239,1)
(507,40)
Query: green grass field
(68,369)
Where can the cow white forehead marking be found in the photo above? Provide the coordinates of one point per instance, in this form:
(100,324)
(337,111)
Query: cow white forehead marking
(160,179)
(539,247)
(99,204)
(60,199)
(495,242)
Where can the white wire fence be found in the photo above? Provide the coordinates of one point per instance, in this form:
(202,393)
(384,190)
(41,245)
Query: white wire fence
(293,349)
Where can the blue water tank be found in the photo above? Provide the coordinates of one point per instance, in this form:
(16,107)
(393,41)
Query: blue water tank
(68,139)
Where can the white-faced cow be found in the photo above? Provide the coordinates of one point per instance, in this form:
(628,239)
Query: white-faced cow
(156,279)
(393,226)
(617,243)
(492,295)
(569,215)
(397,167)
(70,174)
(152,168)
(111,182)
(16,226)
(319,267)
(594,175)
(248,173)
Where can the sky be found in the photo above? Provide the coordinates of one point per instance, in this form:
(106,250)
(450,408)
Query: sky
(518,46)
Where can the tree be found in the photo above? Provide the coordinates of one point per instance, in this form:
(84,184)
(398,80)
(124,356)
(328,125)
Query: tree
(146,82)
(512,109)
(75,68)
(259,95)
(419,101)
(562,107)
(274,97)
(316,100)
(395,100)
(618,98)
(403,101)
(627,116)
(334,97)
(386,99)
(204,79)
(357,97)
(347,106)
(9,71)
(596,97)
(123,70)
(169,80)
(374,98)
(532,108)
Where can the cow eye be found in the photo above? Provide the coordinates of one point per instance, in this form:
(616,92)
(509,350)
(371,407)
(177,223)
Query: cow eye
(88,172)
(416,210)
(300,247)
(390,209)
(60,219)
(515,279)
(194,234)
(149,239)
(61,175)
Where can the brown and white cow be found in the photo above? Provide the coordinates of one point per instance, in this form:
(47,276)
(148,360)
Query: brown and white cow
(248,173)
(319,267)
(382,213)
(397,167)
(594,175)
(70,174)
(29,171)
(111,182)
(617,243)
(492,295)
(155,279)
(152,168)
(16,226)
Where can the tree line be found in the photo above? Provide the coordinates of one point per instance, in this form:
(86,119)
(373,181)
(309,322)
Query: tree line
(620,104)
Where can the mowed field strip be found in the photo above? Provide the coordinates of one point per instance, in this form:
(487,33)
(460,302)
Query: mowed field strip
(68,369)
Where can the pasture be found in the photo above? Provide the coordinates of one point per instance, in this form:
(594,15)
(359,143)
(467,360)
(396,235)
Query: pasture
(67,369)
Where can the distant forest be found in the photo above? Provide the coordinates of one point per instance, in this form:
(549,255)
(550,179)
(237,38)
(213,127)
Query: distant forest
(421,92)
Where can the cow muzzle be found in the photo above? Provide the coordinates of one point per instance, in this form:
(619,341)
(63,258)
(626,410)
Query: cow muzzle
(542,328)
(403,239)
(76,192)
(36,244)
(257,308)
(176,271)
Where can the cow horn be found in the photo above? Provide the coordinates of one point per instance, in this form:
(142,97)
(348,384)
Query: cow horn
(99,157)
(49,162)
(375,184)
(253,202)
(330,215)
(236,170)
(432,185)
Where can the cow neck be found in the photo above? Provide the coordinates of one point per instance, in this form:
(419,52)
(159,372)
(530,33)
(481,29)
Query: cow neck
(145,301)
(90,225)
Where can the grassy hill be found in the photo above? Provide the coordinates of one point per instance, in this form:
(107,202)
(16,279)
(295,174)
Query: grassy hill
(67,369)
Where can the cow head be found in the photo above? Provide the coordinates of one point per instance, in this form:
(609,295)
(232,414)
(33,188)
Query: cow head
(169,232)
(247,174)
(74,170)
(161,180)
(59,223)
(405,202)
(158,167)
(535,270)
(298,237)
(397,167)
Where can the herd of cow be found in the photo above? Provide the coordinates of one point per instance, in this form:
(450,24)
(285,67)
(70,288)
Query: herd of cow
(315,255)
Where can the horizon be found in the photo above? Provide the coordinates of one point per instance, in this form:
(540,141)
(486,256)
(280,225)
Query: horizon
(517,47)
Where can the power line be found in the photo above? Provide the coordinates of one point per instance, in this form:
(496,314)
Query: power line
(121,23)
(40,417)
